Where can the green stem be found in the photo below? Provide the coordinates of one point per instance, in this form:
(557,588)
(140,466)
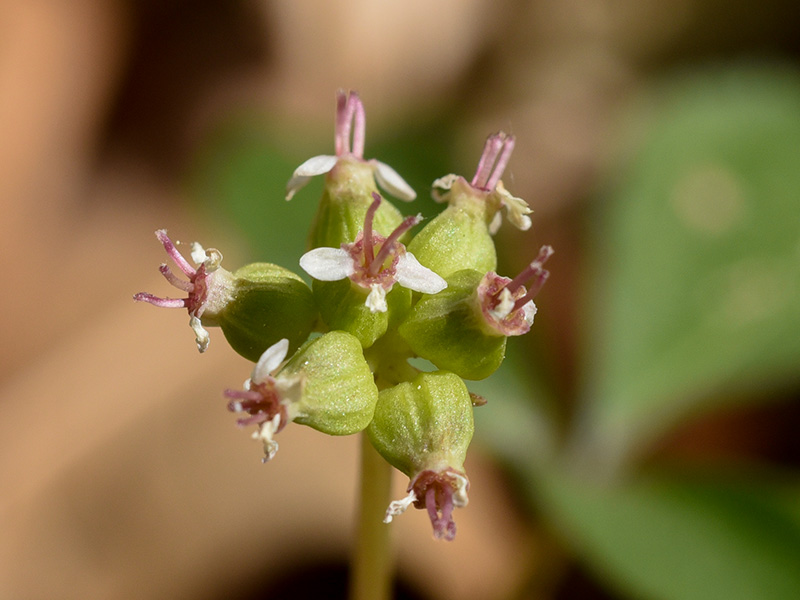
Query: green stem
(371,572)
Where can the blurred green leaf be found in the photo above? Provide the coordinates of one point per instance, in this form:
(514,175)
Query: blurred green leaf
(664,538)
(698,292)
(519,421)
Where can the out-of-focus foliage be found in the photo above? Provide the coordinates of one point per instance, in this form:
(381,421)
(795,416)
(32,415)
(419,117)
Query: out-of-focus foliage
(695,304)
(699,286)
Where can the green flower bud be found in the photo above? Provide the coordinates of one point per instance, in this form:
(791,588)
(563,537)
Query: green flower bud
(339,393)
(268,303)
(463,329)
(448,329)
(457,238)
(326,385)
(343,305)
(347,196)
(461,236)
(423,428)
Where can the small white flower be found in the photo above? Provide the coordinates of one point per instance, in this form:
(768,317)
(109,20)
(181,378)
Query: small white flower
(349,115)
(374,271)
(486,182)
(506,305)
(209,287)
(270,400)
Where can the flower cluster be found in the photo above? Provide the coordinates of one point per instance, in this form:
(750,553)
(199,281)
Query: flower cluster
(334,355)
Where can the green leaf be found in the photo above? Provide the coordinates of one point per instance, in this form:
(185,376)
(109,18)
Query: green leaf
(670,539)
(698,272)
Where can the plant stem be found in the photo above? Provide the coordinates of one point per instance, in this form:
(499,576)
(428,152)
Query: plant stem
(371,570)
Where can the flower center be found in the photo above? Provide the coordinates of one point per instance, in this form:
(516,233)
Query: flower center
(374,256)
(534,271)
(261,401)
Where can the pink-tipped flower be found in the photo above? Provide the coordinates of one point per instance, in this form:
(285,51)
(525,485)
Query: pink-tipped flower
(438,493)
(267,399)
(486,183)
(350,119)
(506,304)
(374,262)
(209,286)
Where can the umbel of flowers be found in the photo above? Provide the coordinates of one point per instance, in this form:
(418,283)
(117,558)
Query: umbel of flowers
(334,355)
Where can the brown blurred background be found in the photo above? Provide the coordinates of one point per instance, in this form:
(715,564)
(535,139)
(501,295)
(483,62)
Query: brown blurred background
(121,474)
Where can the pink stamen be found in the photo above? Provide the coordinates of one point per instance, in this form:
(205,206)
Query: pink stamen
(359,125)
(496,154)
(388,245)
(502,162)
(342,132)
(186,286)
(176,256)
(490,150)
(241,395)
(439,498)
(369,249)
(162,302)
(534,271)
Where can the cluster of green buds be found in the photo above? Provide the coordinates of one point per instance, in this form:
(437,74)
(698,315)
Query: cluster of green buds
(335,355)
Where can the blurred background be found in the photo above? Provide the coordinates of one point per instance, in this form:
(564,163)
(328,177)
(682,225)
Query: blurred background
(641,442)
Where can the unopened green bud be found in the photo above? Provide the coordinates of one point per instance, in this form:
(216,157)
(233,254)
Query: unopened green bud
(339,392)
(448,329)
(347,196)
(343,305)
(423,428)
(463,328)
(458,238)
(268,303)
(423,424)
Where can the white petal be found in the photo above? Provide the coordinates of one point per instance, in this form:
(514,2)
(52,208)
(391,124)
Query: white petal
(327,264)
(200,335)
(460,498)
(517,210)
(270,360)
(198,253)
(503,308)
(316,165)
(528,311)
(295,184)
(494,226)
(376,300)
(398,507)
(265,433)
(441,187)
(390,180)
(412,275)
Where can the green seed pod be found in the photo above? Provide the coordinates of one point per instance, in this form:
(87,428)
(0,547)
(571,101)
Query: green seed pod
(459,237)
(344,203)
(339,393)
(342,305)
(268,303)
(424,424)
(450,330)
